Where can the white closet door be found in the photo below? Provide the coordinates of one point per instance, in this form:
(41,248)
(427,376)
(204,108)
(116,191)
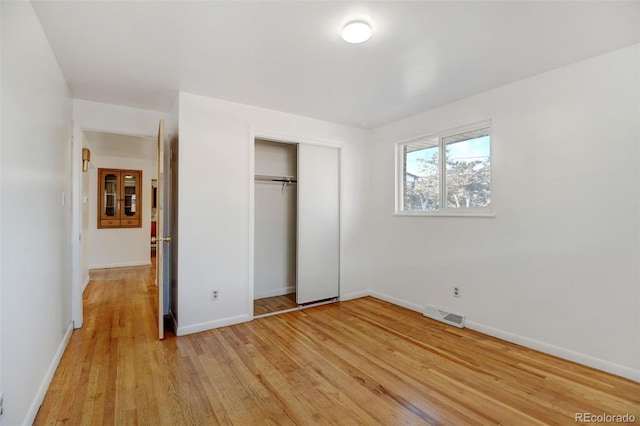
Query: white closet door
(318,223)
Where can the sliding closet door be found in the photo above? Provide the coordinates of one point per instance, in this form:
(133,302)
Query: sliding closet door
(318,223)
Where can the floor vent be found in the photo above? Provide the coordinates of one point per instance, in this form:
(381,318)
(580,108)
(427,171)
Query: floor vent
(442,315)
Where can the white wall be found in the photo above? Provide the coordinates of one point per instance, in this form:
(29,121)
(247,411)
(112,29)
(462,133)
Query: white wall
(36,140)
(275,221)
(1,134)
(116,247)
(214,194)
(557,268)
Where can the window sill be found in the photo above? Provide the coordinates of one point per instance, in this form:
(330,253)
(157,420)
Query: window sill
(482,214)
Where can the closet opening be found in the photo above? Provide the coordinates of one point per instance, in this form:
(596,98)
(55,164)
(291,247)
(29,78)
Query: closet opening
(275,226)
(296,226)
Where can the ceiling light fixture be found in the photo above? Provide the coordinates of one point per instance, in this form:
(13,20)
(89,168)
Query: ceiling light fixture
(356,32)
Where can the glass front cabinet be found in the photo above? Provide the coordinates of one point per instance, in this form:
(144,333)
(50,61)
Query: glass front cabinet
(119,198)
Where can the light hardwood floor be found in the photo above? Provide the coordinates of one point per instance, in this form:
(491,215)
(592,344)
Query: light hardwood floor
(269,305)
(361,362)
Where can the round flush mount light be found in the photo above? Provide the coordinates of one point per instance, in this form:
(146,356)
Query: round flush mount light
(356,32)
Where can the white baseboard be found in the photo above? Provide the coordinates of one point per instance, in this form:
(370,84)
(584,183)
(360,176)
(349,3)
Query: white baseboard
(396,301)
(86,283)
(46,381)
(275,292)
(577,357)
(354,295)
(120,265)
(209,325)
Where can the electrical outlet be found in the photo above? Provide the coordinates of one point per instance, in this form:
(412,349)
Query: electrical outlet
(456,292)
(214,295)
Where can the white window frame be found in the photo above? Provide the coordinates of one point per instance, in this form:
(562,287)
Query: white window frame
(442,211)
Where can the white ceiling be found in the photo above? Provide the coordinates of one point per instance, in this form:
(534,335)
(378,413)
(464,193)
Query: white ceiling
(289,56)
(114,145)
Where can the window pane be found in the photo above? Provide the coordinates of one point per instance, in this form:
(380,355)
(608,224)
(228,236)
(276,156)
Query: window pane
(468,169)
(130,195)
(421,176)
(110,194)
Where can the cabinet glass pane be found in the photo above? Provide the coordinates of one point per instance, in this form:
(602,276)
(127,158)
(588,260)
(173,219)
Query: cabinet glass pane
(110,194)
(130,196)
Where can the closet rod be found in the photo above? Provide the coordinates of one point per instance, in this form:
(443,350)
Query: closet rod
(286,179)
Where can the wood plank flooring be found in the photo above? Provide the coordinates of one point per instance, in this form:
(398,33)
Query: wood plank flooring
(361,362)
(268,305)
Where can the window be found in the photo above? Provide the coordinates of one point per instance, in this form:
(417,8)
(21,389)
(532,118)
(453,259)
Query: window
(448,173)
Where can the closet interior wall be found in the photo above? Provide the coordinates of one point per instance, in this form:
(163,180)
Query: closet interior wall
(275,220)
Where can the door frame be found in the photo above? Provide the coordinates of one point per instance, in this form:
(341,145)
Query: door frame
(76,255)
(76,227)
(281,138)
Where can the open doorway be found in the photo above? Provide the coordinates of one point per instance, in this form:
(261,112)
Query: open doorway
(113,247)
(122,193)
(296,225)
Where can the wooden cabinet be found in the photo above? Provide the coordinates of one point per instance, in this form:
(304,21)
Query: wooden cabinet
(119,198)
